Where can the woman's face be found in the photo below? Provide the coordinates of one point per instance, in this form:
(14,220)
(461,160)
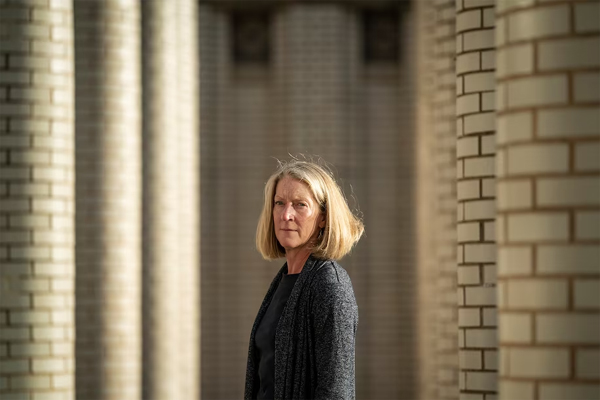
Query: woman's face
(296,214)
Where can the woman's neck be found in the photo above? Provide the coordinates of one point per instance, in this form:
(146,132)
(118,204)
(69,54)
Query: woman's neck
(296,260)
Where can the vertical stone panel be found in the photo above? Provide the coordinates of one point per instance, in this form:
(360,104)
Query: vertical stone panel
(548,199)
(36,201)
(223,345)
(160,222)
(475,169)
(386,115)
(207,43)
(312,49)
(108,199)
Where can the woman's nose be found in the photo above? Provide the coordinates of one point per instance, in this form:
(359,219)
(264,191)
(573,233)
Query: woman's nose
(288,212)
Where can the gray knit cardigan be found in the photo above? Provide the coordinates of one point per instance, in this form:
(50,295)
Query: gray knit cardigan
(315,336)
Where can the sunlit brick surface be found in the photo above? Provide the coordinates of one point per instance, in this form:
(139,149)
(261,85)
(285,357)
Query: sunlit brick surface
(548,199)
(36,201)
(476,254)
(108,199)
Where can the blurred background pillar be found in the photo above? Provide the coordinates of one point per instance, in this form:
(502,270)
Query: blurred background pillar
(425,185)
(37,201)
(548,223)
(437,192)
(108,199)
(170,207)
(160,222)
(476,187)
(188,118)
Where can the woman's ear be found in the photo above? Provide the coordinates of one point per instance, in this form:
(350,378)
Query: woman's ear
(323,221)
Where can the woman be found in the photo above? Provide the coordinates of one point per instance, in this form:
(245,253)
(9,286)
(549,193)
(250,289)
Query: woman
(302,341)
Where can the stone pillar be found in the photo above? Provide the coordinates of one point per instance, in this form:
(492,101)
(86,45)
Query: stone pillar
(475,169)
(108,199)
(548,224)
(170,190)
(188,100)
(436,194)
(444,191)
(36,201)
(426,263)
(160,220)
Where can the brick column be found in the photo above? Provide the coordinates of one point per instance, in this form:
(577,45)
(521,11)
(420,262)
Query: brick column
(188,99)
(436,194)
(548,199)
(36,201)
(108,199)
(170,222)
(426,263)
(160,220)
(444,192)
(476,186)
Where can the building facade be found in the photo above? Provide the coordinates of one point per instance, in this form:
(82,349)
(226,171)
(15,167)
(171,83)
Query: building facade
(136,138)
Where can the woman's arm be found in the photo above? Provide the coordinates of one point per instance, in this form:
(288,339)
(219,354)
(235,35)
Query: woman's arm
(335,319)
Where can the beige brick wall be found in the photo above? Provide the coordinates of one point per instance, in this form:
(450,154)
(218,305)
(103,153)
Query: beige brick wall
(108,199)
(36,201)
(476,192)
(548,199)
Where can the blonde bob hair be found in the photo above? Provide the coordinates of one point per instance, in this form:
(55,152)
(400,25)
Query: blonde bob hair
(342,228)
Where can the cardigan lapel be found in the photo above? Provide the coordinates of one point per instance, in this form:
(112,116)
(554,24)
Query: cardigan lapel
(285,328)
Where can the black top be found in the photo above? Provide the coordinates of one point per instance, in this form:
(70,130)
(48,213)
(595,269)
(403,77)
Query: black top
(265,337)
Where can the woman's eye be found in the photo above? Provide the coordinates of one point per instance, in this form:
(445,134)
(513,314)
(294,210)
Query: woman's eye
(278,203)
(302,204)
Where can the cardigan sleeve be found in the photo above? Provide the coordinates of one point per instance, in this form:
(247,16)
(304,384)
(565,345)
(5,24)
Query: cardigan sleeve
(335,316)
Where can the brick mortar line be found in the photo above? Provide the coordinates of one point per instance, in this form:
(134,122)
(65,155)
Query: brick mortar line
(550,345)
(557,72)
(478,307)
(566,140)
(565,243)
(482,49)
(476,156)
(538,6)
(557,277)
(542,380)
(475,29)
(553,311)
(479,71)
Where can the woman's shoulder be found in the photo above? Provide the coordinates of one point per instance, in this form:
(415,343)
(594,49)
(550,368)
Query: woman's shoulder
(329,274)
(331,289)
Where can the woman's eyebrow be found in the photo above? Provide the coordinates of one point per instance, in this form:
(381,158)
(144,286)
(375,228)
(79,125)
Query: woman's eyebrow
(299,198)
